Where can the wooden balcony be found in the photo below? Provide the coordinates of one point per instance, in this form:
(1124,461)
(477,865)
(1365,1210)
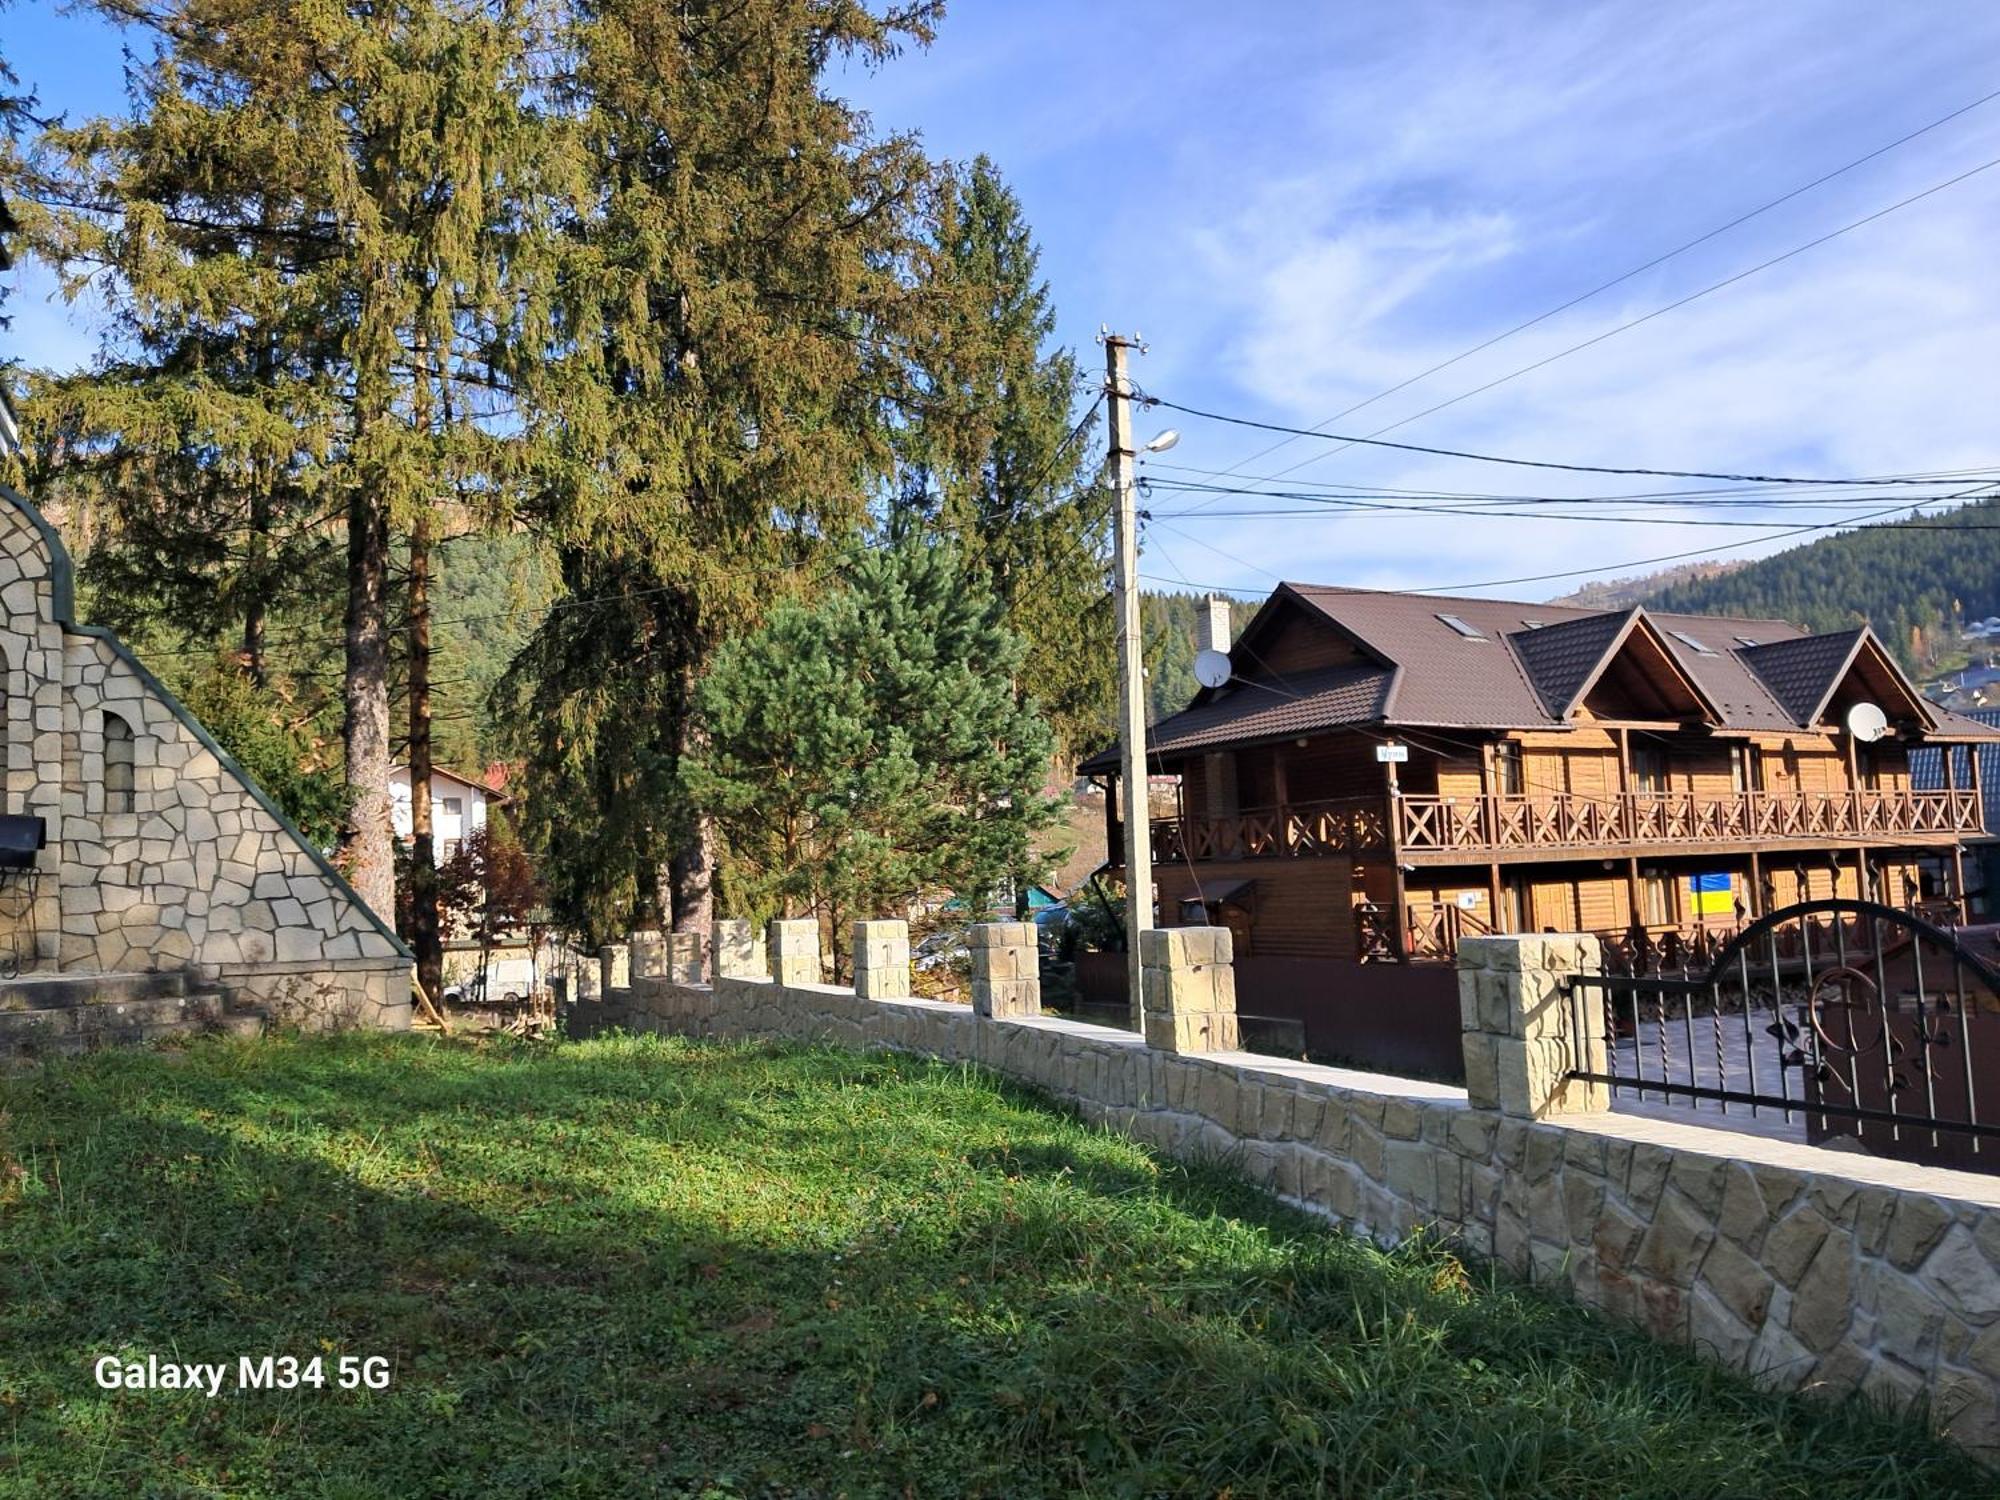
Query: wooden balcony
(1487,827)
(1345,825)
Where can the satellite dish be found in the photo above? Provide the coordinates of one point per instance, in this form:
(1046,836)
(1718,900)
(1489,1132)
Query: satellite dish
(1212,669)
(1867,723)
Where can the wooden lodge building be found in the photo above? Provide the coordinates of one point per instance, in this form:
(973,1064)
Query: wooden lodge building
(1647,777)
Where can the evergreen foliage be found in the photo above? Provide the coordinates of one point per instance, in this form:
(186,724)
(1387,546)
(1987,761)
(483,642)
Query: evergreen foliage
(284,749)
(16,115)
(867,749)
(1168,626)
(576,303)
(1913,581)
(324,236)
(993,455)
(742,296)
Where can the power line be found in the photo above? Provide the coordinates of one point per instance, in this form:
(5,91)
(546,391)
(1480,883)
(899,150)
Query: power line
(1533,463)
(1681,302)
(1325,508)
(1639,270)
(1602,568)
(1734,494)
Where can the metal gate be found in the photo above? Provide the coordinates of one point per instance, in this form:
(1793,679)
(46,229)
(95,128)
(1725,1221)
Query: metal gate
(1850,1017)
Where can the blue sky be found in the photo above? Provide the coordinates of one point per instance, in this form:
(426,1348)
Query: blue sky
(1300,205)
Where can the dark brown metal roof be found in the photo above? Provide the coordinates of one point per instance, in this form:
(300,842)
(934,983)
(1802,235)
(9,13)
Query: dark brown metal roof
(1560,659)
(1521,668)
(1449,681)
(1330,698)
(1800,673)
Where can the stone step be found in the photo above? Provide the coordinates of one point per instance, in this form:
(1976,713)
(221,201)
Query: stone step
(53,991)
(60,1031)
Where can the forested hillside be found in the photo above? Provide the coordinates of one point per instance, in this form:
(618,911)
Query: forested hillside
(1168,623)
(1915,581)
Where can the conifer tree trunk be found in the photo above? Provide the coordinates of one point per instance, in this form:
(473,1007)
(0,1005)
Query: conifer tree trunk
(365,837)
(691,870)
(425,922)
(691,874)
(254,608)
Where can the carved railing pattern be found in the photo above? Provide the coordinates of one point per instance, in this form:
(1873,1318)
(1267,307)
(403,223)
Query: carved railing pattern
(1564,820)
(1477,824)
(1347,825)
(1432,928)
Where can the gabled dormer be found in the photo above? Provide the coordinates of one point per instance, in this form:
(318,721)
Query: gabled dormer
(1614,666)
(1818,678)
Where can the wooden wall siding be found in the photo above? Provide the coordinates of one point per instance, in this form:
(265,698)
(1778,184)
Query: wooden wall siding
(1458,778)
(1298,643)
(1299,909)
(1304,908)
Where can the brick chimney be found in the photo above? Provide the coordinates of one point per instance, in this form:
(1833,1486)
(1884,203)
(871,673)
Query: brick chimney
(1214,634)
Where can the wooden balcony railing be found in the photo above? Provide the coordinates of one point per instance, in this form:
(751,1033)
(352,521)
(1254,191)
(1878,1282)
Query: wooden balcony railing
(1345,825)
(1477,825)
(1566,820)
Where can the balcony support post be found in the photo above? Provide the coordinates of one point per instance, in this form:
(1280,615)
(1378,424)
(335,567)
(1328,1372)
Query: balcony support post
(1755,905)
(1399,916)
(1958,844)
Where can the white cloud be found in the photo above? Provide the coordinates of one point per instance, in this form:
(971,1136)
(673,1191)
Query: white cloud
(1520,164)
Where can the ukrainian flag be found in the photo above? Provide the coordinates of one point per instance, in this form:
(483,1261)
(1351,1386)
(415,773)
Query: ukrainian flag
(1712,895)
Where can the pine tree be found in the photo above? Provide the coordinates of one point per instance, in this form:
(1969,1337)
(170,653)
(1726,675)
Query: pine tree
(994,454)
(866,748)
(741,305)
(16,116)
(329,233)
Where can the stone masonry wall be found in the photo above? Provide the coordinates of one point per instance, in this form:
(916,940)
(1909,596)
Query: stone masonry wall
(196,869)
(1808,1268)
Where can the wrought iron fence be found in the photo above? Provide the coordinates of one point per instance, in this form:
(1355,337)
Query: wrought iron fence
(1851,1017)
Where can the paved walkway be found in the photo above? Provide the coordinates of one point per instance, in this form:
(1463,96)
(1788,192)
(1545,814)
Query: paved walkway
(1748,1065)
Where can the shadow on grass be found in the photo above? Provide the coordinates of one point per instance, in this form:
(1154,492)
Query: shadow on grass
(635,1268)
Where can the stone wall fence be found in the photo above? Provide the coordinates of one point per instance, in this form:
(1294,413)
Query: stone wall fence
(1809,1269)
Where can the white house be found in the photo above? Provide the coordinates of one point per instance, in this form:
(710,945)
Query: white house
(458,808)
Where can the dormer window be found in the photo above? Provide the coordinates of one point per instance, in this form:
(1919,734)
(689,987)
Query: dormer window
(1469,632)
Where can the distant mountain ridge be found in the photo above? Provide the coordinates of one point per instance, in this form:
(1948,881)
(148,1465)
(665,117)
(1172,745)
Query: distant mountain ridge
(1641,588)
(1915,581)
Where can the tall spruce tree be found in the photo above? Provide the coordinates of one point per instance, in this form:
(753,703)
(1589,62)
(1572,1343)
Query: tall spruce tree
(741,298)
(866,748)
(16,116)
(327,233)
(992,451)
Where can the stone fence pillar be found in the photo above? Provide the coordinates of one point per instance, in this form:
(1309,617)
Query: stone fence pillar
(684,957)
(615,962)
(1519,1022)
(648,950)
(882,960)
(795,950)
(1190,989)
(587,979)
(733,942)
(1006,970)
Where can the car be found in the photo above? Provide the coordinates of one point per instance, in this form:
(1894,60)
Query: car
(942,949)
(499,984)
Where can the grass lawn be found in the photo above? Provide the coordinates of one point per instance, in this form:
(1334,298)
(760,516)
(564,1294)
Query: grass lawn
(635,1267)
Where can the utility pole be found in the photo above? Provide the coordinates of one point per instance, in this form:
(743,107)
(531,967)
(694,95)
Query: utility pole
(1131,671)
